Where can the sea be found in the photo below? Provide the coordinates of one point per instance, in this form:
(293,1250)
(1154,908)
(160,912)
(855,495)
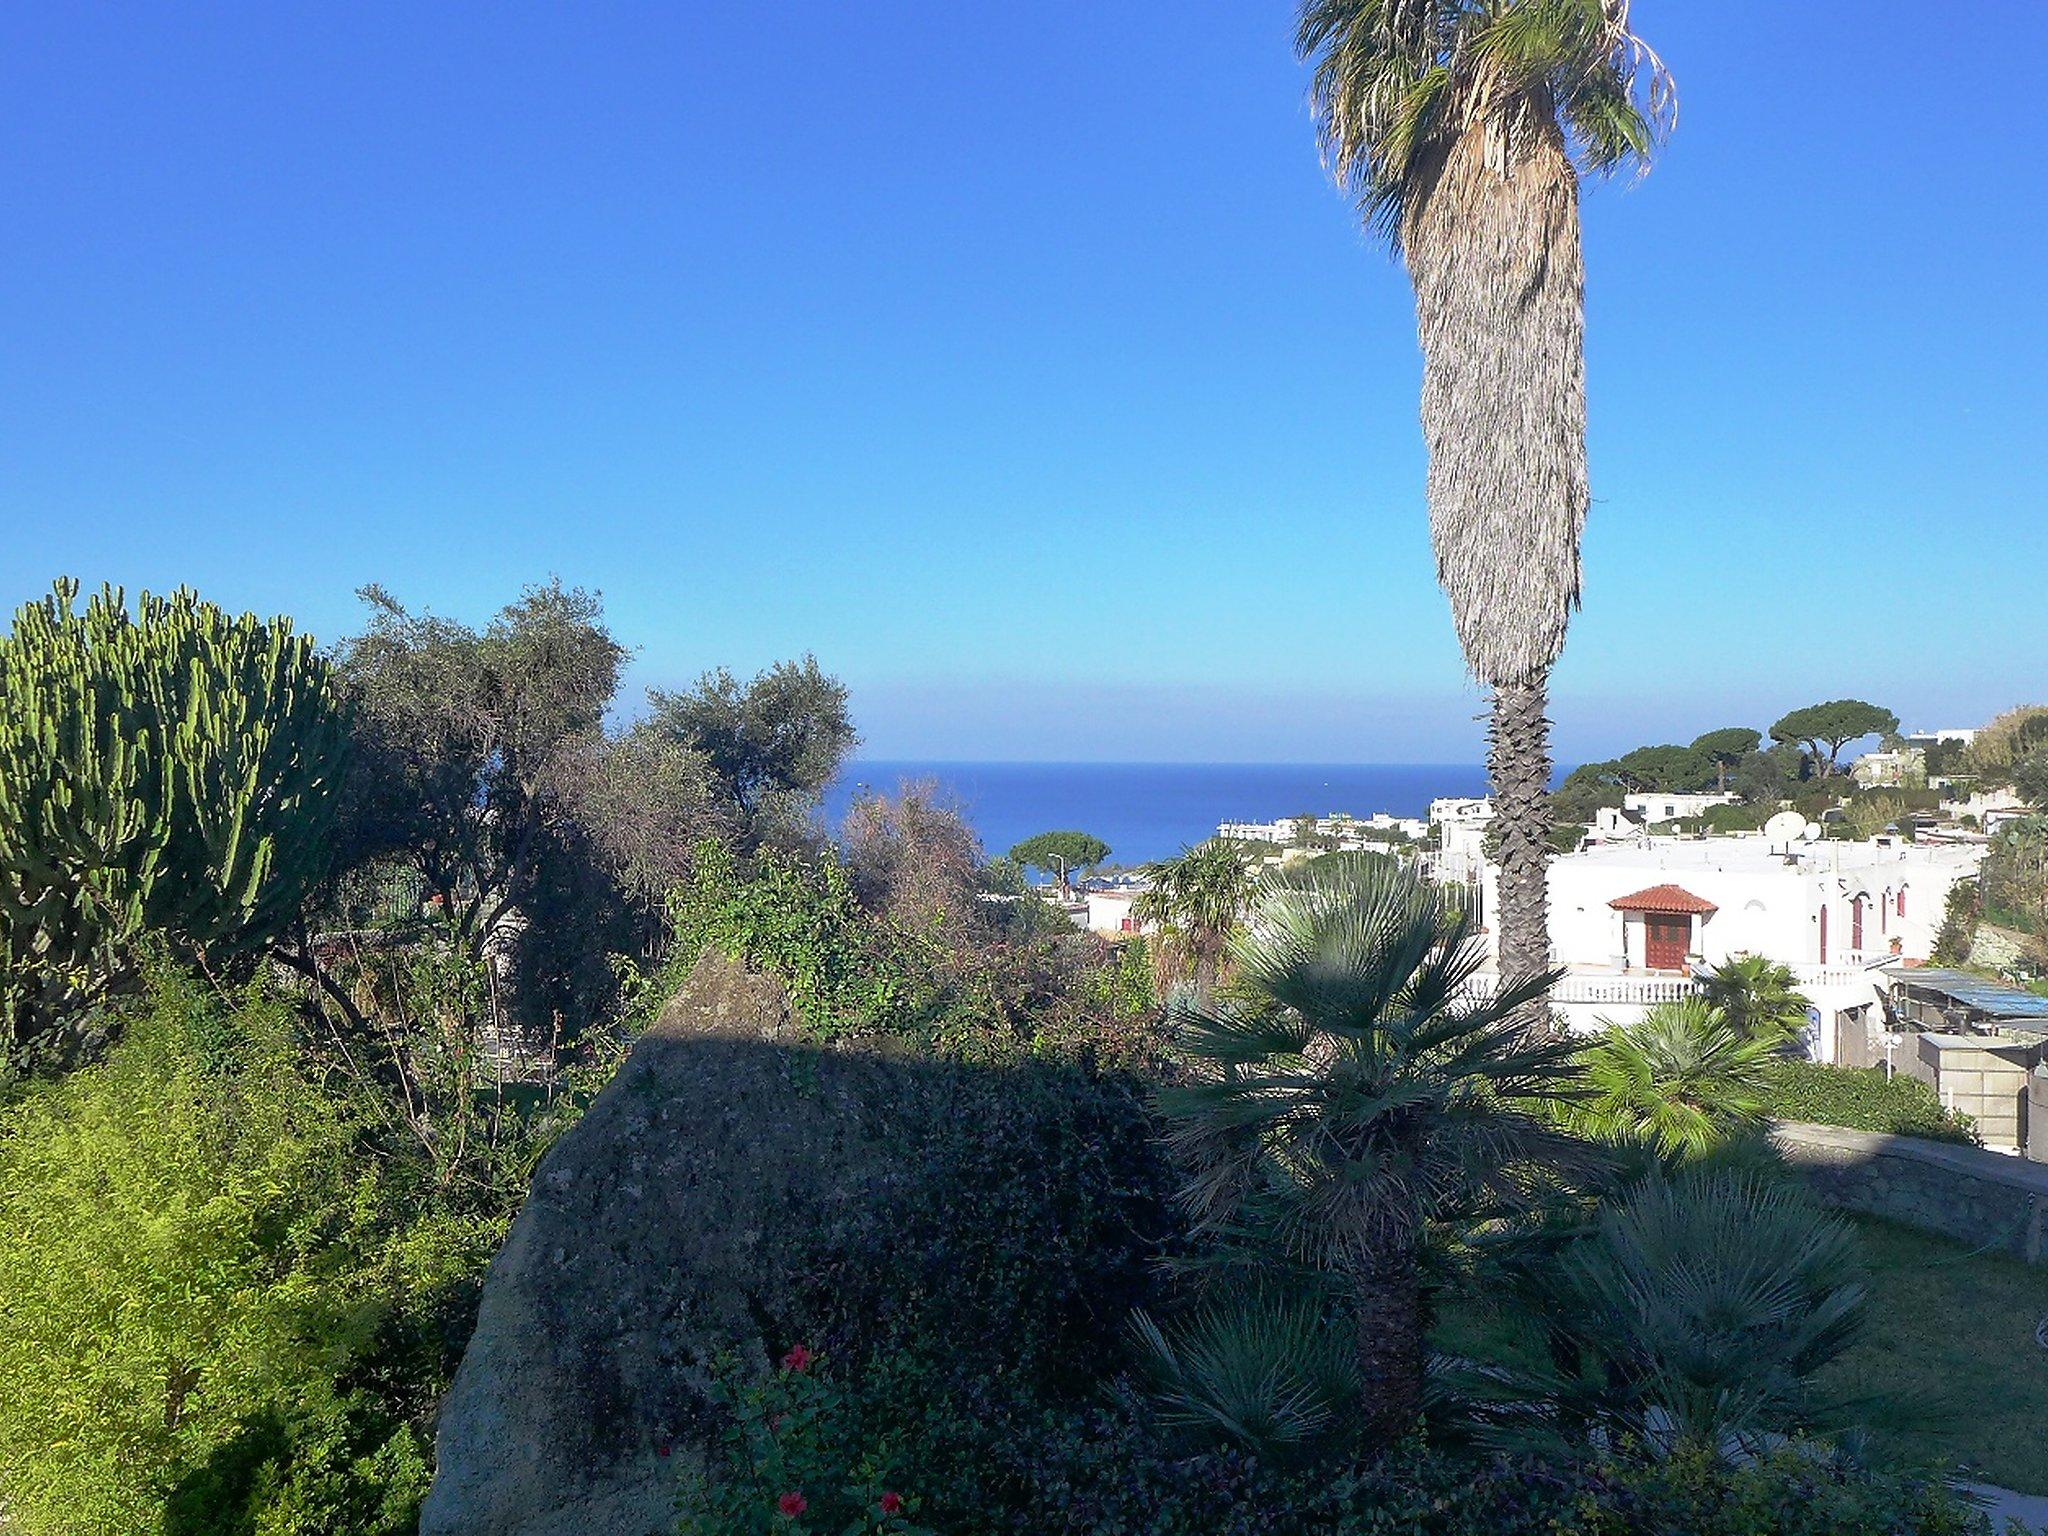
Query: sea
(1148,811)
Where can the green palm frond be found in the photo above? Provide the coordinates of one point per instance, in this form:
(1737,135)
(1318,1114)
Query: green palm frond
(1361,1088)
(1698,1312)
(1681,1078)
(1271,1375)
(1396,80)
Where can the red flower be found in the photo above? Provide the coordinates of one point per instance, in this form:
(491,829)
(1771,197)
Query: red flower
(797,1358)
(892,1503)
(792,1504)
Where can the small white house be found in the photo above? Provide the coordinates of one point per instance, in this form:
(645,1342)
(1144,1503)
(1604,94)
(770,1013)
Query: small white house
(1653,807)
(1109,912)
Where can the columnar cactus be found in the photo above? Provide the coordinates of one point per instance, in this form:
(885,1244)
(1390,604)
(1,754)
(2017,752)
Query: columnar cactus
(174,771)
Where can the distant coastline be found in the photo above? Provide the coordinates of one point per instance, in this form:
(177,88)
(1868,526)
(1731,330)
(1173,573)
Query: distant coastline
(1147,811)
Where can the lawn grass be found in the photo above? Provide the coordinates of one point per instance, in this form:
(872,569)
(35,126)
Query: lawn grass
(1951,1345)
(1949,1351)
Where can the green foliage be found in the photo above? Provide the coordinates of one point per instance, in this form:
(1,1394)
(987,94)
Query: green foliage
(1757,996)
(222,1311)
(798,1452)
(1824,729)
(1696,1314)
(1862,1099)
(2012,883)
(1351,1096)
(1682,1078)
(472,745)
(992,1463)
(772,743)
(1060,853)
(846,972)
(2007,741)
(1727,747)
(174,771)
(1666,769)
(1394,86)
(1263,1372)
(1196,900)
(1959,917)
(1768,777)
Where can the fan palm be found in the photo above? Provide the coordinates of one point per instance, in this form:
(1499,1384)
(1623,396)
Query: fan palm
(1462,128)
(1697,1313)
(1759,997)
(1196,899)
(1681,1078)
(1358,1090)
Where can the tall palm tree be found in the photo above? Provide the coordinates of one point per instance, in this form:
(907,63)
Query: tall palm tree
(1359,1092)
(1462,128)
(1196,899)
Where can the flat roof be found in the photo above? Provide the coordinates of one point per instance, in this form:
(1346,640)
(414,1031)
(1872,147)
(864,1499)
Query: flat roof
(1995,998)
(1753,854)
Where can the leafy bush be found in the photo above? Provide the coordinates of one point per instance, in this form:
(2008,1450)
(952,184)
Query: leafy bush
(847,973)
(1861,1099)
(975,1461)
(222,1311)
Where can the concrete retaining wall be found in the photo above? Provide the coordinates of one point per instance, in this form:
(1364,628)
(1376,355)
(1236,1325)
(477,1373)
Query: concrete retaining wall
(1973,1196)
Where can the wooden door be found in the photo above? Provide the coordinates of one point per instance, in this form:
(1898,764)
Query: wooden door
(1667,936)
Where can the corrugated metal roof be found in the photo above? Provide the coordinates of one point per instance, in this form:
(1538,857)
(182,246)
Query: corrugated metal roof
(1993,997)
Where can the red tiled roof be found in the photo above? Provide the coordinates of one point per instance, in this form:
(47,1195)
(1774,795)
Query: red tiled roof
(1662,898)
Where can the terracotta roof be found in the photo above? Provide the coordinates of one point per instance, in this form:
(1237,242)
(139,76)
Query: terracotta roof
(1662,898)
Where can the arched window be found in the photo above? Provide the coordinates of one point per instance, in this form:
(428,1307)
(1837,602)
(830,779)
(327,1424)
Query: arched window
(1856,904)
(1902,901)
(1823,933)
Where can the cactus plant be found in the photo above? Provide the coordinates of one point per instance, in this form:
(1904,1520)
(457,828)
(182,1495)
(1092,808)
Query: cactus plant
(172,771)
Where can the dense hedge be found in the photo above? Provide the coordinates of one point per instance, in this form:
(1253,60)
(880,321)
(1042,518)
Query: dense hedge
(1862,1099)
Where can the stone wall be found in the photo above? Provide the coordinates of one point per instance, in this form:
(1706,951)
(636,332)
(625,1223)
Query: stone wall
(1976,1197)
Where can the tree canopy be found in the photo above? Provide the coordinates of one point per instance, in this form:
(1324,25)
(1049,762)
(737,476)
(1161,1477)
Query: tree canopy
(1824,729)
(772,743)
(1726,748)
(1061,853)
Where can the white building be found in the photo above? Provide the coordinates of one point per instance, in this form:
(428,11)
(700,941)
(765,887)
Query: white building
(1895,766)
(1634,922)
(1282,832)
(1109,911)
(1460,856)
(1655,807)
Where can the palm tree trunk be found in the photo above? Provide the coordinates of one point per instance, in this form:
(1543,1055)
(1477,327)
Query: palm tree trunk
(1518,762)
(1391,1348)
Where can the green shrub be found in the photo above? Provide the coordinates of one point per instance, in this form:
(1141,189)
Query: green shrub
(222,1311)
(847,972)
(979,1461)
(1861,1099)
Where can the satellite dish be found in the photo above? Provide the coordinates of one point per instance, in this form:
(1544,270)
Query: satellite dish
(1786,827)
(1812,831)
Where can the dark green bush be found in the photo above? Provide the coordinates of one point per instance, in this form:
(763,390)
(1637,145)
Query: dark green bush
(973,1460)
(1861,1099)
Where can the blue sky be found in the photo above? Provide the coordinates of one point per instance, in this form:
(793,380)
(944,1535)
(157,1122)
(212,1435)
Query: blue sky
(1017,360)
